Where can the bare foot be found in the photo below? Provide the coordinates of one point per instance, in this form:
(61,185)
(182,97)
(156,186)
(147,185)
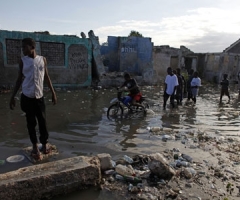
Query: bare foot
(46,149)
(35,152)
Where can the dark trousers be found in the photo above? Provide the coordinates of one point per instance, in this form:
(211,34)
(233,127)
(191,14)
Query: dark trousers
(35,112)
(165,98)
(189,93)
(179,95)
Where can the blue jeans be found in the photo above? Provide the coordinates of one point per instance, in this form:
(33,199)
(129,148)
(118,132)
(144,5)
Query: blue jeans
(127,100)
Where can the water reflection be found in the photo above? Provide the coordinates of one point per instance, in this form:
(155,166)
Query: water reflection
(190,114)
(78,124)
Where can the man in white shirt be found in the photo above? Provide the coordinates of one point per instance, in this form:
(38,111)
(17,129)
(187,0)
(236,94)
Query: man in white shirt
(31,75)
(171,83)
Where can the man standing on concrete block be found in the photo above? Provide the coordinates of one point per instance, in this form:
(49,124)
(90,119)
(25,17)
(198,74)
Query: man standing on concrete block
(32,73)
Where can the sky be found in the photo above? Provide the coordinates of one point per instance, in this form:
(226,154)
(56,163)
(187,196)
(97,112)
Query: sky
(200,25)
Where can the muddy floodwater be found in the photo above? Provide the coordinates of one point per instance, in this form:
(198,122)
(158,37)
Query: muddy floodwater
(78,125)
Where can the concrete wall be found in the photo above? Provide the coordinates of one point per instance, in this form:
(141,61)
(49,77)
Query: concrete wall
(131,54)
(161,60)
(69,57)
(166,56)
(110,54)
(217,64)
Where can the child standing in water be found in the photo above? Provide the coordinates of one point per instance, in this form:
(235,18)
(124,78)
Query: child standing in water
(224,90)
(195,83)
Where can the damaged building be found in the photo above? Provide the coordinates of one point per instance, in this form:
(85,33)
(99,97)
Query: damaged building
(71,60)
(78,62)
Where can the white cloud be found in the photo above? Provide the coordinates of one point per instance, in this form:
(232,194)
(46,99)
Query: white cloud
(182,30)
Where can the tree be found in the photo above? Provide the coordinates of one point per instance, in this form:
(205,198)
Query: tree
(135,34)
(105,44)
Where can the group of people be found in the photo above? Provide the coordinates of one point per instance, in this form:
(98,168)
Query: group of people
(176,86)
(33,71)
(31,75)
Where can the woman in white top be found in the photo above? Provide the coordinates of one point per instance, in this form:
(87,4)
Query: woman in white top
(195,84)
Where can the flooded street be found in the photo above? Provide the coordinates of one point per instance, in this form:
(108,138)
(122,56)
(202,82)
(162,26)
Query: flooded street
(78,124)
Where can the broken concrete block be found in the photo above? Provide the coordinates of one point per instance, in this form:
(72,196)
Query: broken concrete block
(105,161)
(159,166)
(50,179)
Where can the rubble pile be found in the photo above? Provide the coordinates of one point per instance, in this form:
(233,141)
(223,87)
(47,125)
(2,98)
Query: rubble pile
(173,174)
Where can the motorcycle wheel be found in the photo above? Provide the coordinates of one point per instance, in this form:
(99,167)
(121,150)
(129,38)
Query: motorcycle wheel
(115,111)
(137,111)
(146,105)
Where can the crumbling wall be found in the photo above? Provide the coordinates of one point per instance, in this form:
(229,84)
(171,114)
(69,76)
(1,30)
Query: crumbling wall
(98,67)
(110,54)
(164,57)
(68,57)
(221,63)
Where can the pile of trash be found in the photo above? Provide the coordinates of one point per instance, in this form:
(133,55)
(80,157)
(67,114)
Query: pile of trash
(168,175)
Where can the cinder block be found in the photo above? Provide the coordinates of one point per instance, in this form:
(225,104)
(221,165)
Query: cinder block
(105,161)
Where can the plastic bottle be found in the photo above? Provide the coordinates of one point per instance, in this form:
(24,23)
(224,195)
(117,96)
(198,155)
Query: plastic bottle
(2,162)
(128,159)
(113,163)
(132,179)
(130,186)
(124,170)
(119,177)
(187,158)
(109,172)
(175,156)
(184,164)
(155,129)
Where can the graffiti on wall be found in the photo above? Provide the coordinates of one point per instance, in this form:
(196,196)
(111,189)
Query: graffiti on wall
(128,49)
(77,57)
(13,49)
(54,53)
(78,60)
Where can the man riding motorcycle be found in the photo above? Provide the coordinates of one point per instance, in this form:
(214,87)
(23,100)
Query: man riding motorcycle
(132,87)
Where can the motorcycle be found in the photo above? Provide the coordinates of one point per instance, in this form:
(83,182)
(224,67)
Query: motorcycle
(117,107)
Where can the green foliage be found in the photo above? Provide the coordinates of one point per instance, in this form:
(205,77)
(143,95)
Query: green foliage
(43,32)
(135,34)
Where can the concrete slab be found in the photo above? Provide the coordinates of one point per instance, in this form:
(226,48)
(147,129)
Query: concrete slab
(50,179)
(44,157)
